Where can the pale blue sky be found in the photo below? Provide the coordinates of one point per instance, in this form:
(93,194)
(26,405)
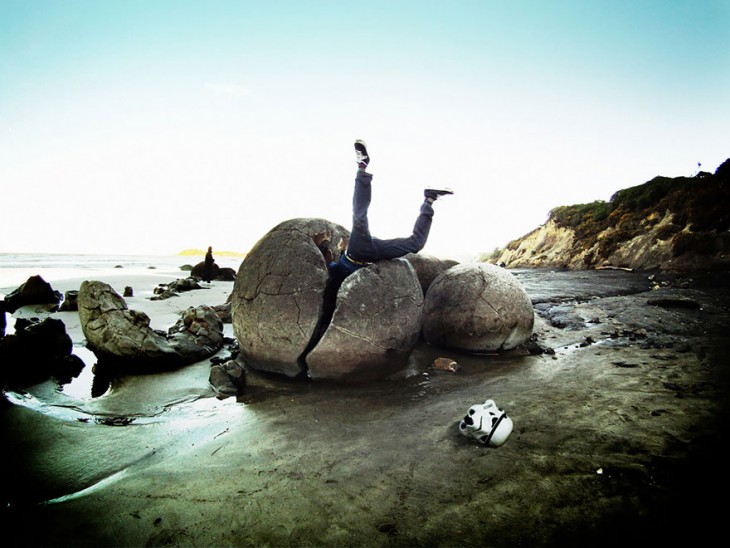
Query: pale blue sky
(153,126)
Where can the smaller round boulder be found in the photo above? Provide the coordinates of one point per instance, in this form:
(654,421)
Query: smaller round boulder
(477,308)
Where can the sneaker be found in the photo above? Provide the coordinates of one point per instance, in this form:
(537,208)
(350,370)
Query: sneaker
(361,154)
(434,193)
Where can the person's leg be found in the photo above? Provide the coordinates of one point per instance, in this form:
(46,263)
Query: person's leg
(397,247)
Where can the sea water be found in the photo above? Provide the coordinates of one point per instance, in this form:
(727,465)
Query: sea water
(16,268)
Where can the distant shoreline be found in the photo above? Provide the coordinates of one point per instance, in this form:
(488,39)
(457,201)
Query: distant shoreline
(193,252)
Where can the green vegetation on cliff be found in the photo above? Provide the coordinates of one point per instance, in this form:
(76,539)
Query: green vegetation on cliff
(699,207)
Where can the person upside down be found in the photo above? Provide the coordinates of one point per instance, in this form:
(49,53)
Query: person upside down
(363,249)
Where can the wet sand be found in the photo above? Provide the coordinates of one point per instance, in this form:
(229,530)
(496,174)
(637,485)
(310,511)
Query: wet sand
(619,437)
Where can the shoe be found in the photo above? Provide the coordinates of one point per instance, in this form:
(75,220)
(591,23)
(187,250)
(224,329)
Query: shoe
(434,193)
(361,154)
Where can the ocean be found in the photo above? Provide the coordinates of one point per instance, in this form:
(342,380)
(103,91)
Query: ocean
(16,268)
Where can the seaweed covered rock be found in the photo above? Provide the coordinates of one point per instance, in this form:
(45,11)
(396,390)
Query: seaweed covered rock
(477,308)
(375,326)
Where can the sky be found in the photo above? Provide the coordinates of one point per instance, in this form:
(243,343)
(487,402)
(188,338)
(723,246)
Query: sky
(149,127)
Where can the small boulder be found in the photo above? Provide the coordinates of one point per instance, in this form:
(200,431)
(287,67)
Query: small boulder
(70,302)
(34,291)
(477,308)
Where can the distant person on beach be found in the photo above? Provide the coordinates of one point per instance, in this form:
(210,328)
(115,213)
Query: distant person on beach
(208,269)
(363,249)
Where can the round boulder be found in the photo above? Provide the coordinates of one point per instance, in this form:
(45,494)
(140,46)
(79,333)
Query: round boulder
(278,295)
(428,267)
(375,326)
(477,308)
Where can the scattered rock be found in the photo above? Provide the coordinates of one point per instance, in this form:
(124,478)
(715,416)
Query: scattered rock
(227,379)
(165,291)
(70,301)
(128,292)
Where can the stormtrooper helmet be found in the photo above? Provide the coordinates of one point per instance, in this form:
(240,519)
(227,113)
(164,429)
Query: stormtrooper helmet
(487,424)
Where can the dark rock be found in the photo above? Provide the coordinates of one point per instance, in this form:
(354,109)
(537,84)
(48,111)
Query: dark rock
(227,379)
(165,291)
(278,295)
(221,274)
(477,308)
(186,268)
(36,351)
(375,325)
(128,292)
(34,291)
(674,303)
(70,302)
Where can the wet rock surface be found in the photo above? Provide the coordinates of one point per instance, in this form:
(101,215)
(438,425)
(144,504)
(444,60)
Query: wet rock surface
(619,429)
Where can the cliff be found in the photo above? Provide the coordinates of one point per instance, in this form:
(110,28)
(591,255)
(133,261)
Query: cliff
(680,223)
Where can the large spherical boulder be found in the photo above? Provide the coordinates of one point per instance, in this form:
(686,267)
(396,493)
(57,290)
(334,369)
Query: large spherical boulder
(477,308)
(375,326)
(278,296)
(428,267)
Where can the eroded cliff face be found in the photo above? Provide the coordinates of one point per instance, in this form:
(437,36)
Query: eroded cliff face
(678,223)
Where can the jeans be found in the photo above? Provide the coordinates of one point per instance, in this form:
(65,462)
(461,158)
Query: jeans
(363,247)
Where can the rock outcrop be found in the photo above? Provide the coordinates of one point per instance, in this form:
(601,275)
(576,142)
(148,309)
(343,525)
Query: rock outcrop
(36,351)
(34,291)
(679,223)
(123,340)
(375,326)
(477,308)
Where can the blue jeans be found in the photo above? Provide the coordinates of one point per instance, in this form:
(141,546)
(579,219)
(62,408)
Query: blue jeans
(363,247)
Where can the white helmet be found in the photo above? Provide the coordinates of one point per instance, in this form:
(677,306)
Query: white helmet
(487,424)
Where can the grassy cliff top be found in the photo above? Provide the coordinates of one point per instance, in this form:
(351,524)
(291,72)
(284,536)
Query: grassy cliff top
(701,201)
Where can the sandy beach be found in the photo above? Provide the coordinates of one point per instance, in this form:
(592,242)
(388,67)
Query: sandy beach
(619,434)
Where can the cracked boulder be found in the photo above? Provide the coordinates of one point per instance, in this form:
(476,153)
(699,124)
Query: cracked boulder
(278,299)
(477,308)
(124,342)
(375,326)
(290,319)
